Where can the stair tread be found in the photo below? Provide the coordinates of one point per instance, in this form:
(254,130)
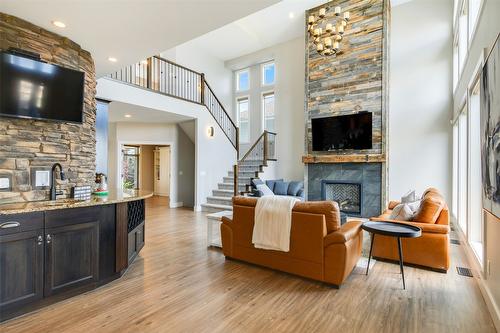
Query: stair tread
(215,197)
(226,207)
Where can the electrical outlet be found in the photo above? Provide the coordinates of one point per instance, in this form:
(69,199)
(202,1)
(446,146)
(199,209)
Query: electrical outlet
(42,178)
(4,183)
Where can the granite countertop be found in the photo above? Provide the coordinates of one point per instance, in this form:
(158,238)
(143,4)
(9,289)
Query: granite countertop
(114,196)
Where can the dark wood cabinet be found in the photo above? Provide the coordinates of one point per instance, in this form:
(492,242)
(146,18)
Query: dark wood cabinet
(71,257)
(21,261)
(51,255)
(21,275)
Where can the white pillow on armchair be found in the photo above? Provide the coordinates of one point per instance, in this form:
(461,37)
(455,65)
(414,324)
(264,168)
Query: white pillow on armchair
(402,212)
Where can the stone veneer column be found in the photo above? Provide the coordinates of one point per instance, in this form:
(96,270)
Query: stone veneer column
(29,145)
(354,80)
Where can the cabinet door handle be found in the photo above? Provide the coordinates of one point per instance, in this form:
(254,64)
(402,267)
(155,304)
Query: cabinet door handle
(10,224)
(48,238)
(39,240)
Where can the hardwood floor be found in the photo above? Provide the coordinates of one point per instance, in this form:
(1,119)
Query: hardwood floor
(176,284)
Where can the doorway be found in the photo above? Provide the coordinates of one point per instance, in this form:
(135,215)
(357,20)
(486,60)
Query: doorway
(146,167)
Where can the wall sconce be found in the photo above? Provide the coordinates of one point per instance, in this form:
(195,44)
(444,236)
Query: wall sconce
(210,132)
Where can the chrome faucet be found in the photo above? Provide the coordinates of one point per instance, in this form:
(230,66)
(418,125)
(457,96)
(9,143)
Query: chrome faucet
(53,192)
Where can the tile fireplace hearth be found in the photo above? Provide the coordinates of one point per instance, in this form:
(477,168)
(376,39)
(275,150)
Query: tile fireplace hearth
(364,177)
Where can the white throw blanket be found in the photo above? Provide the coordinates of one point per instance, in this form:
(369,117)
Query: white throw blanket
(273,222)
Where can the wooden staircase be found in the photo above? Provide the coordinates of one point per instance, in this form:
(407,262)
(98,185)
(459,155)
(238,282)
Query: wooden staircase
(248,168)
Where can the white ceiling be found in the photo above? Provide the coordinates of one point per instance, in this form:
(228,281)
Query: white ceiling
(270,26)
(118,110)
(131,30)
(267,27)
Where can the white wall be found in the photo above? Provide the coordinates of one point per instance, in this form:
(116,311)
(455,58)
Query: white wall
(420,97)
(289,59)
(216,74)
(209,170)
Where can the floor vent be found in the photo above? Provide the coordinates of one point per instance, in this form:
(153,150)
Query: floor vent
(464,271)
(455,241)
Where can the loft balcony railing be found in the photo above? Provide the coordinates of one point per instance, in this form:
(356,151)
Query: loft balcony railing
(171,79)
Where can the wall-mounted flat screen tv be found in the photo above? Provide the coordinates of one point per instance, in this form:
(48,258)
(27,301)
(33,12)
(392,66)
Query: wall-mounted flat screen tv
(353,131)
(33,89)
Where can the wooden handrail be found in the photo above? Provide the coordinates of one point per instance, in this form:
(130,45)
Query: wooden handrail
(177,65)
(221,105)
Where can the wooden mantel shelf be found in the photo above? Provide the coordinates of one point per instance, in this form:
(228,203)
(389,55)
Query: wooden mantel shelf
(367,158)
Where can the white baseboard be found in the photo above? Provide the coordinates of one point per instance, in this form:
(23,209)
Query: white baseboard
(197,208)
(176,204)
(493,308)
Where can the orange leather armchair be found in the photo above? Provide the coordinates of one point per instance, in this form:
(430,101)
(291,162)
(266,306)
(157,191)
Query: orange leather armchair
(432,248)
(320,248)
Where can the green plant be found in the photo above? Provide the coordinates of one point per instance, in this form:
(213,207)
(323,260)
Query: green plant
(127,184)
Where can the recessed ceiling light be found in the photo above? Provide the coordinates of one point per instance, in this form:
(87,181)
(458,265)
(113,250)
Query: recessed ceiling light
(59,24)
(128,116)
(112,59)
(291,15)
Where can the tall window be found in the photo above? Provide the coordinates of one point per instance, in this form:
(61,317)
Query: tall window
(456,68)
(243,80)
(242,105)
(454,203)
(462,170)
(474,6)
(462,36)
(268,74)
(268,111)
(130,167)
(474,174)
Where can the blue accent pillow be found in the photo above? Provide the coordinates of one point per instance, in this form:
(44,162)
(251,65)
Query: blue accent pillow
(294,187)
(280,188)
(270,183)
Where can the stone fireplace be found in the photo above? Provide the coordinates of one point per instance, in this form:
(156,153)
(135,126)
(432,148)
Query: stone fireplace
(353,81)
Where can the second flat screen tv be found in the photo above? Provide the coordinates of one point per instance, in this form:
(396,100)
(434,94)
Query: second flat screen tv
(352,131)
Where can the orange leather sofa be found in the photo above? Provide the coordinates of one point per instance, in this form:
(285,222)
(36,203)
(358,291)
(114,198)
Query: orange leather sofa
(432,248)
(320,248)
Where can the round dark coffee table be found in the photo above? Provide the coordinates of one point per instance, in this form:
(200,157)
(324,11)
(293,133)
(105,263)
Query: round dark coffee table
(391,229)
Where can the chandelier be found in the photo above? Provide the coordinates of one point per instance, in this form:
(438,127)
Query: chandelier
(326,34)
